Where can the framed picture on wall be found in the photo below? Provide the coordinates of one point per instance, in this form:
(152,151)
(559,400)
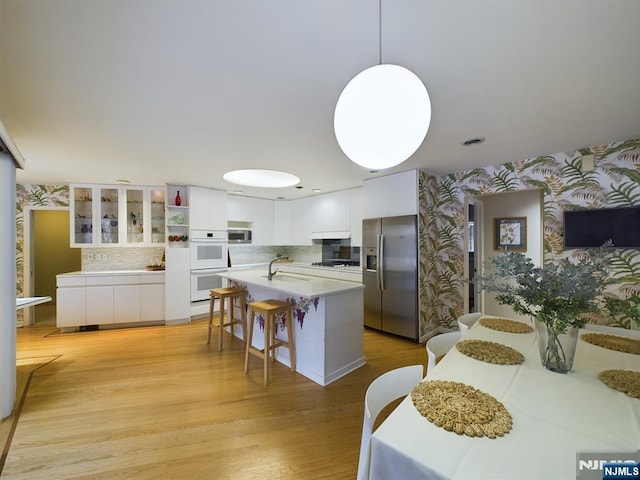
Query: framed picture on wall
(511,233)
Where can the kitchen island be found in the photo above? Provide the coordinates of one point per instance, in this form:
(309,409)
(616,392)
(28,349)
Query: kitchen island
(328,320)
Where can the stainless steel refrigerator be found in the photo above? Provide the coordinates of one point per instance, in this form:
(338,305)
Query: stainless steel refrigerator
(390,274)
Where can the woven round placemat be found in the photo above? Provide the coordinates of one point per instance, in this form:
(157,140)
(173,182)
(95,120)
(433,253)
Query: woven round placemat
(462,409)
(490,352)
(505,325)
(626,381)
(613,342)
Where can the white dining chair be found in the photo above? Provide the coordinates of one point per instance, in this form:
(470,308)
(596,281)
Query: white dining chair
(440,345)
(466,321)
(381,392)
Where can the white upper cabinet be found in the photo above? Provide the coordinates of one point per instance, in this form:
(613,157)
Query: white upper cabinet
(199,208)
(281,222)
(111,215)
(392,195)
(331,212)
(331,215)
(254,213)
(301,221)
(357,214)
(207,208)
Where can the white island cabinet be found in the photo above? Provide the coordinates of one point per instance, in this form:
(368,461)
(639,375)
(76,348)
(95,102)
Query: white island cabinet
(328,320)
(108,299)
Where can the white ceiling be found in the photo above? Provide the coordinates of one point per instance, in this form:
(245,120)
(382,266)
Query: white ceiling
(181,91)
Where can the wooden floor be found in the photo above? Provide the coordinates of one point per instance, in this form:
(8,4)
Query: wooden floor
(158,403)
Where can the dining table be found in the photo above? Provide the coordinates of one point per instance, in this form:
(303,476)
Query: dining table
(556,418)
(24,302)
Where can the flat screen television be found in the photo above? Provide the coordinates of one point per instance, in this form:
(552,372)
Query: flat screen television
(591,228)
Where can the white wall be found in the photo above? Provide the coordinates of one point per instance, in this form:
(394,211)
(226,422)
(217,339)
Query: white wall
(524,203)
(7,285)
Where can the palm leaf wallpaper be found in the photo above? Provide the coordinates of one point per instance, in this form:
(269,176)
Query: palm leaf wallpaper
(615,182)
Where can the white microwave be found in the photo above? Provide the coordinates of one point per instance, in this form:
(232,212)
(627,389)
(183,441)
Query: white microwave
(239,235)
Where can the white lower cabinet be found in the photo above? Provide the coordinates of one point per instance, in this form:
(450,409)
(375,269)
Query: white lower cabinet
(151,302)
(152,298)
(99,304)
(71,306)
(126,303)
(104,299)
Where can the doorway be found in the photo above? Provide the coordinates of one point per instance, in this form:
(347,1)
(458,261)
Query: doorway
(525,204)
(47,253)
(473,236)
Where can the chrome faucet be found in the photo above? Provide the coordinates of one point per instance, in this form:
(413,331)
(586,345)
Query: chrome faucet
(270,274)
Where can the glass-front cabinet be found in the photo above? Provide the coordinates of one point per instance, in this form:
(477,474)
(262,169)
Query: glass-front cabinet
(108,212)
(157,214)
(82,209)
(106,215)
(135,215)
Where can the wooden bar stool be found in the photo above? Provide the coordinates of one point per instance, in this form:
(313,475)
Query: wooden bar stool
(270,310)
(237,299)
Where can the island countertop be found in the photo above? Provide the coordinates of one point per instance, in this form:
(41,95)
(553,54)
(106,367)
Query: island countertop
(292,283)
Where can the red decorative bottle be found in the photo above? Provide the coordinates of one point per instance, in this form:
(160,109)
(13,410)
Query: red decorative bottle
(178,199)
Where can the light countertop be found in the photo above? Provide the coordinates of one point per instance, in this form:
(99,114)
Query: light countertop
(292,283)
(284,265)
(114,272)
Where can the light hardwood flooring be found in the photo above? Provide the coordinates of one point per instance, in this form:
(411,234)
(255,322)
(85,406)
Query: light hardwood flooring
(158,403)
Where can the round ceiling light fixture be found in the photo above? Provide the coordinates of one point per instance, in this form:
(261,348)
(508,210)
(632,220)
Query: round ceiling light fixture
(261,178)
(382,116)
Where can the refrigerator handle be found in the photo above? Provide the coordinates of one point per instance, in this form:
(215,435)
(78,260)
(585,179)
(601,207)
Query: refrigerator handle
(381,266)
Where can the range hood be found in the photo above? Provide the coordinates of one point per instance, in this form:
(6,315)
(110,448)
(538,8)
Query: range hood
(330,235)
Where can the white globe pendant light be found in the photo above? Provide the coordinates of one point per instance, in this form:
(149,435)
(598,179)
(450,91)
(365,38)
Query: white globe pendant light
(382,116)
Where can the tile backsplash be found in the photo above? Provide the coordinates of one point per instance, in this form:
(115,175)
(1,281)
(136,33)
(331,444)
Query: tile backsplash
(247,255)
(102,259)
(339,249)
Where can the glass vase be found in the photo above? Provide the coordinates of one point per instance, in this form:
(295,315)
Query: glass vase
(557,350)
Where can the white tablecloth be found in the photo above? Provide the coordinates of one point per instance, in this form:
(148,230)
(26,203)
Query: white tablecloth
(555,416)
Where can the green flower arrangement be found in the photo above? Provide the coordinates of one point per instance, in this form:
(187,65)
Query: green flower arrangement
(561,296)
(562,293)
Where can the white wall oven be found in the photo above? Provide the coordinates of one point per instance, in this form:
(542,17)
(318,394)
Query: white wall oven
(204,280)
(208,249)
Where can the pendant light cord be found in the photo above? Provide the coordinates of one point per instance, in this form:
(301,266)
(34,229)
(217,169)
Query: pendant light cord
(380,30)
